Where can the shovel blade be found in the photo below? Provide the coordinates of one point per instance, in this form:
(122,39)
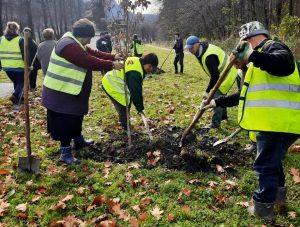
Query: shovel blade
(27,165)
(220,142)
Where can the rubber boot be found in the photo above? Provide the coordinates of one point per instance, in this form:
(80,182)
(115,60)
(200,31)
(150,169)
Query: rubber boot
(67,157)
(280,202)
(80,142)
(262,210)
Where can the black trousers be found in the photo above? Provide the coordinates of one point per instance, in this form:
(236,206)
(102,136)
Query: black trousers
(121,112)
(179,58)
(64,127)
(18,80)
(32,78)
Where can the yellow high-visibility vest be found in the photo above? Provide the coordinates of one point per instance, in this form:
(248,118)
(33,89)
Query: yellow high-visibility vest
(223,63)
(113,81)
(63,75)
(138,48)
(10,53)
(270,103)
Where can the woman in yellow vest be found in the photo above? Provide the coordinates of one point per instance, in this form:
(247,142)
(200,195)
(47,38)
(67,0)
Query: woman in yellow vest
(136,47)
(135,71)
(68,84)
(269,104)
(213,61)
(11,56)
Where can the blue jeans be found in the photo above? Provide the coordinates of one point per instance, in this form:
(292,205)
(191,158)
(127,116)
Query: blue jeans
(18,80)
(271,149)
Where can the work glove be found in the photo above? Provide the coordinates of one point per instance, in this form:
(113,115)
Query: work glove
(243,51)
(119,57)
(204,106)
(118,65)
(205,95)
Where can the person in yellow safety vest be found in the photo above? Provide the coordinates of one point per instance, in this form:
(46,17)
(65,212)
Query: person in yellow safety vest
(136,47)
(269,104)
(11,57)
(68,84)
(213,61)
(135,71)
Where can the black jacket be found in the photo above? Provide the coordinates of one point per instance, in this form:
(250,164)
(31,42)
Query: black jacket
(178,46)
(102,45)
(276,58)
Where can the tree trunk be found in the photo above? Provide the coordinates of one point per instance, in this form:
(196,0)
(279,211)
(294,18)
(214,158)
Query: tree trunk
(1,28)
(279,11)
(45,16)
(291,3)
(29,17)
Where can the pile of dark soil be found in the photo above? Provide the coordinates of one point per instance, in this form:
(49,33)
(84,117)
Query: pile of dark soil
(196,154)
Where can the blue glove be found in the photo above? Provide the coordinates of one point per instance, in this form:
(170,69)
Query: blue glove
(243,51)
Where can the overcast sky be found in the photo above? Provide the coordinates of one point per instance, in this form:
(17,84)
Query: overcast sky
(153,7)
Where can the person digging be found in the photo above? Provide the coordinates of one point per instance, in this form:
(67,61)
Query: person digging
(135,72)
(213,61)
(269,104)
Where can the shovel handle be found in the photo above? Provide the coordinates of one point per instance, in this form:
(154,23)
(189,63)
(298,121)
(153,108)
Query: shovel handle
(200,112)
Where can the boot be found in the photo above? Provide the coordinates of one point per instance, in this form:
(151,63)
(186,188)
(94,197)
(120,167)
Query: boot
(80,142)
(280,202)
(262,210)
(67,157)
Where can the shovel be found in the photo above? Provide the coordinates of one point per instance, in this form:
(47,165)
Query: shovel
(29,163)
(226,139)
(147,127)
(200,112)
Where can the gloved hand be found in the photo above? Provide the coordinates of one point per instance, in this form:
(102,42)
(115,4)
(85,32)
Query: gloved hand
(212,104)
(119,57)
(205,95)
(118,65)
(243,51)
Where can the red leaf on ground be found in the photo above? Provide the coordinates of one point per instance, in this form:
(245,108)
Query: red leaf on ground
(98,200)
(22,216)
(170,217)
(134,222)
(221,199)
(4,172)
(41,190)
(143,216)
(294,148)
(186,191)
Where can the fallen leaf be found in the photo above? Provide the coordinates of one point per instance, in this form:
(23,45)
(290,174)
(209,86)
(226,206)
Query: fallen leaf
(21,207)
(98,200)
(22,216)
(4,172)
(39,213)
(220,169)
(212,184)
(108,164)
(136,208)
(108,223)
(67,198)
(80,190)
(186,191)
(134,222)
(243,204)
(194,181)
(213,208)
(296,175)
(294,148)
(134,165)
(186,209)
(128,176)
(61,203)
(3,207)
(292,214)
(221,199)
(170,217)
(36,198)
(157,213)
(143,216)
(41,190)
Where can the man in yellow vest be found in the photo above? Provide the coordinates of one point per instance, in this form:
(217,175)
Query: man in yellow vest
(213,61)
(11,56)
(269,104)
(68,84)
(135,71)
(136,47)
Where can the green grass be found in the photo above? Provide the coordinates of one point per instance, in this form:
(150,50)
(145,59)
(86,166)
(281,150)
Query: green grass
(183,92)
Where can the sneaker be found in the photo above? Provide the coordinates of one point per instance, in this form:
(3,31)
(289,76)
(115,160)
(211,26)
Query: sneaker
(211,125)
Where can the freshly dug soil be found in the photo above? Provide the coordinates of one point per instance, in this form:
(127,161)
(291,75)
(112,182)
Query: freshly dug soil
(197,153)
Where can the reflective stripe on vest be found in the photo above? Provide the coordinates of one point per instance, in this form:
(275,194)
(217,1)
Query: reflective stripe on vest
(64,76)
(223,62)
(113,81)
(10,53)
(270,103)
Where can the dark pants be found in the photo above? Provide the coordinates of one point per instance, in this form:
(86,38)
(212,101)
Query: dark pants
(18,80)
(219,112)
(121,112)
(64,127)
(32,78)
(178,58)
(271,149)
